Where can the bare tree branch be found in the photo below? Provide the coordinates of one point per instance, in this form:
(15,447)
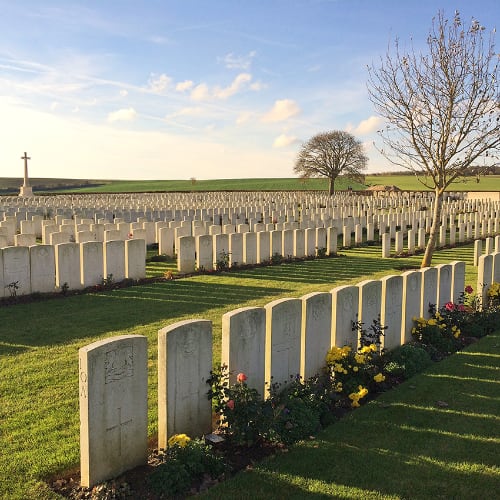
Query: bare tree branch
(441,107)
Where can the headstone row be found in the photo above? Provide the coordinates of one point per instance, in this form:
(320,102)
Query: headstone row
(47,268)
(286,337)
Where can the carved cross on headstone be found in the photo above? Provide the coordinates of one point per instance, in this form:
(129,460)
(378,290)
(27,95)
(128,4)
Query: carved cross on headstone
(119,426)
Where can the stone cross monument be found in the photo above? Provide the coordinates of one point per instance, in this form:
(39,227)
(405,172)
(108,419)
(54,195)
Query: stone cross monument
(26,190)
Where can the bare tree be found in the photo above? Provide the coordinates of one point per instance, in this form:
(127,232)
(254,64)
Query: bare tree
(441,107)
(329,155)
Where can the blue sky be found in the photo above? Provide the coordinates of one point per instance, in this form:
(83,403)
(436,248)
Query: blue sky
(153,89)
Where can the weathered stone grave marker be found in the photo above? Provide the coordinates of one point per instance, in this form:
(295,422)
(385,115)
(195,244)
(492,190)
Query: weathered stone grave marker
(113,382)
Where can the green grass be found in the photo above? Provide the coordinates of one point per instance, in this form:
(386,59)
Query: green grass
(406,182)
(402,445)
(292,184)
(39,344)
(410,183)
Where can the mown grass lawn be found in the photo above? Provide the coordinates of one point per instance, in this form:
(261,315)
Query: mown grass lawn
(435,436)
(404,182)
(39,342)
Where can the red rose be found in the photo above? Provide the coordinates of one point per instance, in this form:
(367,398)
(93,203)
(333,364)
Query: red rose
(241,377)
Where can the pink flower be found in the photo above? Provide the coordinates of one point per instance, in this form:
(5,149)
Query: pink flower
(461,308)
(450,306)
(230,404)
(469,289)
(241,377)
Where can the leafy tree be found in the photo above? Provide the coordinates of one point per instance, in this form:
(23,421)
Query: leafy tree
(441,107)
(329,155)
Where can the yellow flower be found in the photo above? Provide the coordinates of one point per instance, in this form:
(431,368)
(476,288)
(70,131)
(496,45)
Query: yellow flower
(379,378)
(432,322)
(360,359)
(355,404)
(179,440)
(355,369)
(362,392)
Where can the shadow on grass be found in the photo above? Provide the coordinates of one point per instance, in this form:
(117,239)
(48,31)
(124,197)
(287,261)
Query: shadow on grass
(322,271)
(121,309)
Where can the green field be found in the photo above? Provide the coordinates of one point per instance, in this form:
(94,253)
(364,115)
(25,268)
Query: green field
(404,182)
(39,344)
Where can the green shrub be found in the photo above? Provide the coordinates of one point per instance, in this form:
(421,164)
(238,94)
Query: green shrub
(407,360)
(185,461)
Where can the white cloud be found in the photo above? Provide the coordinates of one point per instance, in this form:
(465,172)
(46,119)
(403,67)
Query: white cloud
(256,86)
(159,84)
(244,117)
(282,110)
(283,140)
(232,61)
(234,87)
(185,85)
(122,115)
(368,126)
(123,93)
(190,111)
(158,39)
(200,92)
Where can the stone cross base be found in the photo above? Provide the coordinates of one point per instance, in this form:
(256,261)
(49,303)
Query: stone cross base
(26,191)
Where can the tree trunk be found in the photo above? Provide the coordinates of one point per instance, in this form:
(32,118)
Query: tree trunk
(331,186)
(436,220)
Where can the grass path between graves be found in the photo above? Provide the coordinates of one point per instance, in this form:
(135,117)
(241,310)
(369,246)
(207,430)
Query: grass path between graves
(435,436)
(39,342)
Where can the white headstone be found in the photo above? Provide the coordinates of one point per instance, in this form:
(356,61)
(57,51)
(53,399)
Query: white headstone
(16,271)
(412,293)
(235,249)
(114,260)
(345,303)
(135,259)
(283,328)
(204,252)
(391,310)
(457,280)
(370,294)
(445,282)
(429,290)
(243,345)
(263,247)
(484,276)
(299,249)
(316,332)
(250,248)
(43,269)
(184,364)
(92,263)
(113,379)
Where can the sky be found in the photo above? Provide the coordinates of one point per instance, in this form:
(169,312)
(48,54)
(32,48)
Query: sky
(210,89)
